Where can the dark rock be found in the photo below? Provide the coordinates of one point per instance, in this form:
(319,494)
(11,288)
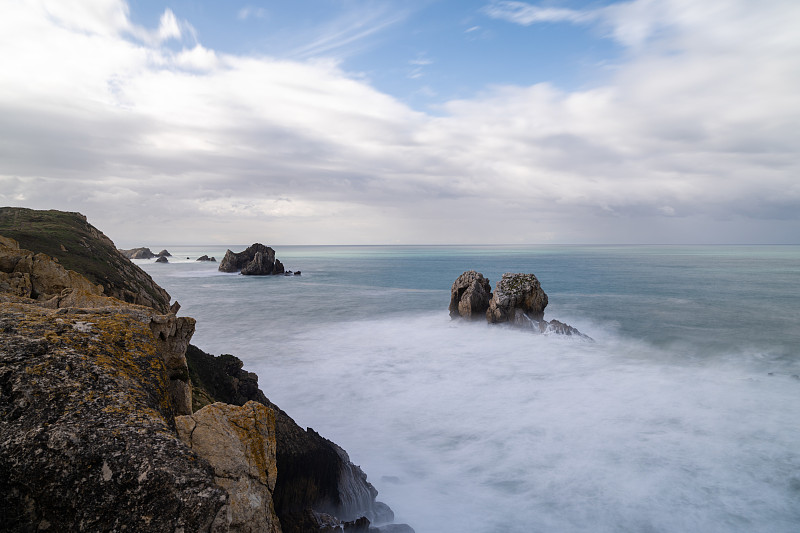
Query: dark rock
(164,253)
(469,296)
(297,273)
(560,328)
(162,259)
(394,528)
(205,258)
(257,260)
(517,298)
(313,472)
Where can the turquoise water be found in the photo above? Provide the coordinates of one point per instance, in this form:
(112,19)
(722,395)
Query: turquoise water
(681,416)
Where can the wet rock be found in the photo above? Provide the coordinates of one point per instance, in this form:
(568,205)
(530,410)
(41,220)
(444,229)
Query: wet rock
(517,298)
(162,259)
(205,258)
(470,295)
(164,253)
(239,444)
(256,260)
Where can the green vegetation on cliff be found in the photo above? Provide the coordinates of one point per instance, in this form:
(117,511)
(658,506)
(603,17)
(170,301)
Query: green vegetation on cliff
(81,247)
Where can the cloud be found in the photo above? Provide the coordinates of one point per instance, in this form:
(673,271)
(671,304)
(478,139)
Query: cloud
(693,137)
(252,12)
(527,14)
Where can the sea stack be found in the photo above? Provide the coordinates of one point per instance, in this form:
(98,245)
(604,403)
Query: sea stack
(256,260)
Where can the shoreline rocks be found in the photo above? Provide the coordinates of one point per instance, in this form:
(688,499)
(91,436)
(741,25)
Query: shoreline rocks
(206,258)
(518,300)
(256,260)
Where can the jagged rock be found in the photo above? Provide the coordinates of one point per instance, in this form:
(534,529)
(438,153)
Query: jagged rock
(164,253)
(256,260)
(205,258)
(79,246)
(518,299)
(87,435)
(469,296)
(162,259)
(313,472)
(560,328)
(239,444)
(138,253)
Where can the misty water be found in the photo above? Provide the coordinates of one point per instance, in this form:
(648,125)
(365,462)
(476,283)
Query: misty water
(682,415)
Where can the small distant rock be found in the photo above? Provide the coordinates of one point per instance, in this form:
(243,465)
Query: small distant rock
(297,273)
(205,258)
(162,259)
(164,253)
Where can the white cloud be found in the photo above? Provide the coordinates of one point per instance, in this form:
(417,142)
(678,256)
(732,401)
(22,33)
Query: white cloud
(527,14)
(693,137)
(252,12)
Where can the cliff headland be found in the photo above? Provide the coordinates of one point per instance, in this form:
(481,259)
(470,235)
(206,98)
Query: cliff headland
(110,420)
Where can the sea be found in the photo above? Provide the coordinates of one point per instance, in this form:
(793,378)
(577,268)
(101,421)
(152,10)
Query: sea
(682,414)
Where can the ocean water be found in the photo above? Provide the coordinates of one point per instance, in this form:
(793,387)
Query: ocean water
(683,415)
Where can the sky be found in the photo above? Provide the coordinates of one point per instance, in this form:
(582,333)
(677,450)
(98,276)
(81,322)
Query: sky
(406,122)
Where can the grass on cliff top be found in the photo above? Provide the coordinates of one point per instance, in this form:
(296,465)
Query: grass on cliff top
(86,249)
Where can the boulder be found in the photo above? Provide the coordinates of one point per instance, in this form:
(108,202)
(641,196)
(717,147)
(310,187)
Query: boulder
(205,258)
(470,295)
(256,260)
(239,444)
(162,259)
(517,298)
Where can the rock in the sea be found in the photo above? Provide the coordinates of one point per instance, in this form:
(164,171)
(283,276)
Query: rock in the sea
(256,260)
(517,298)
(470,295)
(164,253)
(162,259)
(239,444)
(205,258)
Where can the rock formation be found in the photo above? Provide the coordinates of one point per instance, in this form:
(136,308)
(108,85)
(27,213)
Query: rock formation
(205,258)
(79,246)
(256,260)
(518,300)
(316,483)
(138,253)
(239,444)
(470,295)
(162,259)
(164,253)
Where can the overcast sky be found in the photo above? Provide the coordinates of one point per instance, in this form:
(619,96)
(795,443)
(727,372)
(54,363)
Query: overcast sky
(406,121)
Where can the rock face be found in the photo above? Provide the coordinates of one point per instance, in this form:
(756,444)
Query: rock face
(470,295)
(164,253)
(257,260)
(316,483)
(138,253)
(518,298)
(79,246)
(162,259)
(239,444)
(87,435)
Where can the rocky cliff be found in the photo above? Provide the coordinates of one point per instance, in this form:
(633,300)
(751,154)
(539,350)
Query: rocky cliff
(79,246)
(256,260)
(98,432)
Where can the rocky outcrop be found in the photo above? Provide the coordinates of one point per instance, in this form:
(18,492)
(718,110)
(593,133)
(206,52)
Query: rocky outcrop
(205,258)
(138,253)
(517,298)
(316,483)
(470,295)
(164,253)
(87,435)
(79,246)
(239,444)
(162,259)
(256,260)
